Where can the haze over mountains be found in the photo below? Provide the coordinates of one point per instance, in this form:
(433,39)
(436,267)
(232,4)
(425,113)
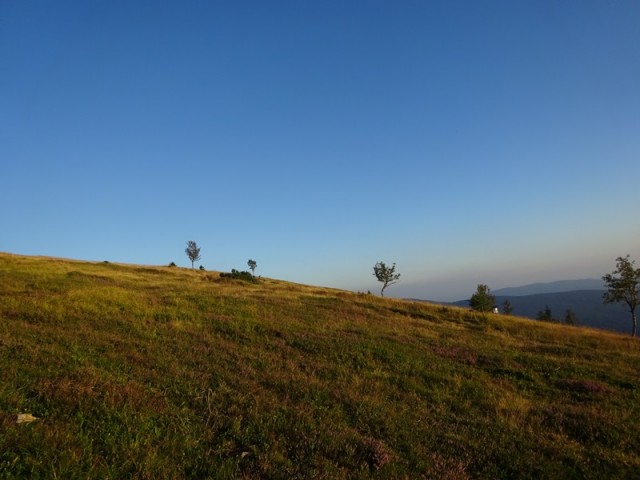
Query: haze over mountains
(583,297)
(553,287)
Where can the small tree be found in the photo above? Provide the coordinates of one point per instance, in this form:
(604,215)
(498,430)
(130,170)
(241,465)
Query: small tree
(386,275)
(507,308)
(545,315)
(622,286)
(193,252)
(252,265)
(570,317)
(482,300)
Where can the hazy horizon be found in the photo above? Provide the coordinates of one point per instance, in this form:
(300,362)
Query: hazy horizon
(468,142)
(439,291)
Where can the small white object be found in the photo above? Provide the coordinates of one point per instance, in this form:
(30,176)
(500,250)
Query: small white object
(25,418)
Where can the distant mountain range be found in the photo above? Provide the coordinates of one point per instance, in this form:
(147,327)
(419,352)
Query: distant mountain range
(584,297)
(552,287)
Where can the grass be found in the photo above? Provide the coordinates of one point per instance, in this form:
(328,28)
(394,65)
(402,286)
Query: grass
(157,372)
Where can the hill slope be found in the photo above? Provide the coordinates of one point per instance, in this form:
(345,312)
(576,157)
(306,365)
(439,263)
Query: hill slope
(151,372)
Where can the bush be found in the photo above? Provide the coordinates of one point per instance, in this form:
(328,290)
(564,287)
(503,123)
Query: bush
(201,268)
(236,275)
(173,264)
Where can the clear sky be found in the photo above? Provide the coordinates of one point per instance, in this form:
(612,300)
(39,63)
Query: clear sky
(470,142)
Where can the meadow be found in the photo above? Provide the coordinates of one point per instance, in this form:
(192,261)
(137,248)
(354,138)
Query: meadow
(167,373)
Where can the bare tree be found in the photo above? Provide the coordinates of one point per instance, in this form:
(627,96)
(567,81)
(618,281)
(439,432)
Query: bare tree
(193,252)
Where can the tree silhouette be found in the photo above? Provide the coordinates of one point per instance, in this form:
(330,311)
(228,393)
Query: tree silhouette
(570,317)
(622,286)
(507,308)
(386,275)
(545,315)
(252,265)
(193,252)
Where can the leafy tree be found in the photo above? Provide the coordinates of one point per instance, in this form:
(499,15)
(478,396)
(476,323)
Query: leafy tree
(545,315)
(507,308)
(252,265)
(482,300)
(193,252)
(386,275)
(622,286)
(570,317)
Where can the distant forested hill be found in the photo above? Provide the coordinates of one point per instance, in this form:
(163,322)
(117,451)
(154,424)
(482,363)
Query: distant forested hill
(587,305)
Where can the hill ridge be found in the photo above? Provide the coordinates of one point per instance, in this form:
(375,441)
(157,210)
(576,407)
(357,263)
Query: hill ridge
(556,286)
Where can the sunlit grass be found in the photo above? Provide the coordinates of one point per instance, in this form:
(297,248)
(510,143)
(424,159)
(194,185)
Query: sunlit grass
(157,372)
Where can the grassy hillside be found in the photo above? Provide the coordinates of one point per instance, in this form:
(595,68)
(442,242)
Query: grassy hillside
(152,372)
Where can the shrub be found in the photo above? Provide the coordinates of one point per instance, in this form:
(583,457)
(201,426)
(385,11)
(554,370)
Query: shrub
(236,275)
(173,264)
(201,268)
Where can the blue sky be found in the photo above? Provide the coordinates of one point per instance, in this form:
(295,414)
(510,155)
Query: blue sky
(470,142)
